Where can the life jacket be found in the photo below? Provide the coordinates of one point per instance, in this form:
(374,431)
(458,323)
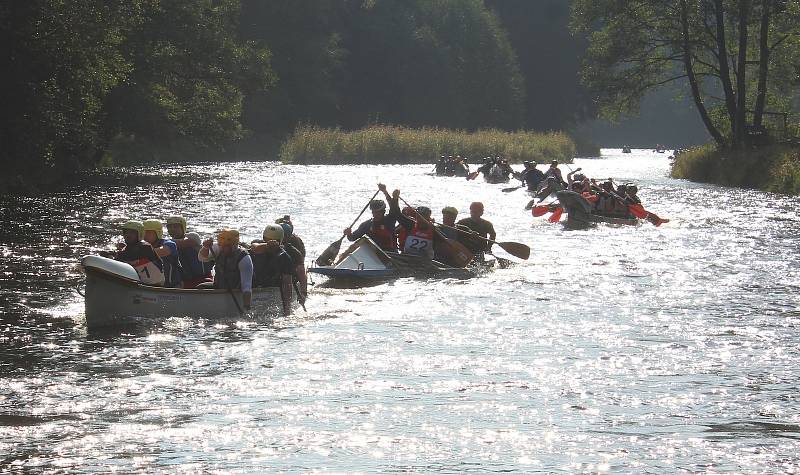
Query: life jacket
(147,264)
(226,270)
(402,234)
(383,237)
(419,241)
(173,271)
(191,267)
(269,268)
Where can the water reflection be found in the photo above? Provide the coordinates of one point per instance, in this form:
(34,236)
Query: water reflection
(613,349)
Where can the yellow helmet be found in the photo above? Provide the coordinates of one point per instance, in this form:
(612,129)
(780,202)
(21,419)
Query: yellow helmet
(154,225)
(228,237)
(450,210)
(177,220)
(136,226)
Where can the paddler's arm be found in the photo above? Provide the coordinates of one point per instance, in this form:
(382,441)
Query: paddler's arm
(246,275)
(205,255)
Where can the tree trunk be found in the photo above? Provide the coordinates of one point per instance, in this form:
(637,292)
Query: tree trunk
(741,75)
(687,62)
(724,68)
(763,64)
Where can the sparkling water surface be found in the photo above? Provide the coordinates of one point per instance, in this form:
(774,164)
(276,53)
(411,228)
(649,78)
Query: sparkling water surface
(614,349)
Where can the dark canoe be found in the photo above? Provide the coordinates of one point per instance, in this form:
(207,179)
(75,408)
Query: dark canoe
(580,215)
(495,175)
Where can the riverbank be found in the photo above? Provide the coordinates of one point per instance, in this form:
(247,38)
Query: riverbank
(391,144)
(775,168)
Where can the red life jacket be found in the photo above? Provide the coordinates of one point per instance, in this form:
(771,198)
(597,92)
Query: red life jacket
(383,237)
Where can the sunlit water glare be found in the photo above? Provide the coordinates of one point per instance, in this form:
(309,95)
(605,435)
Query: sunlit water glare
(632,349)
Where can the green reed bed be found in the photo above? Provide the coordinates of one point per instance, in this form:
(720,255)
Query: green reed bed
(774,168)
(390,144)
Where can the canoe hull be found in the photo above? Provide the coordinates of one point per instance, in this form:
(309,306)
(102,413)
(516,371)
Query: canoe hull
(580,216)
(112,299)
(368,263)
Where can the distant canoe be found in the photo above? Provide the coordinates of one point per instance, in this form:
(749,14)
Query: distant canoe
(496,174)
(115,296)
(368,263)
(580,215)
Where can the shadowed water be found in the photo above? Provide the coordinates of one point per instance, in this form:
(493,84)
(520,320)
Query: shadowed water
(632,349)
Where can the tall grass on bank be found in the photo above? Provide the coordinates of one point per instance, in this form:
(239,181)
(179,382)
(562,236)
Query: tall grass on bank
(390,144)
(775,168)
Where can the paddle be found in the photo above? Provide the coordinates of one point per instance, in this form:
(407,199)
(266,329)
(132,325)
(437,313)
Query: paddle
(511,188)
(540,210)
(641,213)
(459,253)
(516,249)
(556,216)
(328,255)
(473,175)
(230,290)
(297,289)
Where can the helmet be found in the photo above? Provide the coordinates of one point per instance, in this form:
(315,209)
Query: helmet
(228,237)
(154,225)
(424,211)
(136,226)
(526,162)
(408,211)
(177,220)
(273,231)
(288,229)
(579,177)
(283,219)
(377,205)
(195,238)
(450,210)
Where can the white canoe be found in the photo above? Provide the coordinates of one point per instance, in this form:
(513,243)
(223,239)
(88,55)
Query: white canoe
(367,262)
(115,296)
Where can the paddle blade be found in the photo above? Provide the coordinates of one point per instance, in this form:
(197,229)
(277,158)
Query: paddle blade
(530,204)
(516,249)
(638,211)
(656,220)
(540,210)
(556,215)
(511,188)
(329,254)
(472,175)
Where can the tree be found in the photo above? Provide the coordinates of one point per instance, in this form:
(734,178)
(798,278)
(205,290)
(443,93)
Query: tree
(639,45)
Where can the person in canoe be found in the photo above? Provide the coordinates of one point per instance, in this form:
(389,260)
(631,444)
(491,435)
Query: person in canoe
(419,232)
(167,250)
(193,272)
(233,267)
(296,248)
(479,228)
(531,176)
(139,254)
(273,266)
(381,226)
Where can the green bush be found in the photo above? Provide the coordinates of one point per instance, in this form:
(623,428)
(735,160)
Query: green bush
(775,168)
(391,144)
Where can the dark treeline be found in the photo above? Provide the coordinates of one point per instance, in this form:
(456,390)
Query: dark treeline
(91,81)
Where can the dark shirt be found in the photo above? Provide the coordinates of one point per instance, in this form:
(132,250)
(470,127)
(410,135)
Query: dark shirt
(269,268)
(532,178)
(134,252)
(482,228)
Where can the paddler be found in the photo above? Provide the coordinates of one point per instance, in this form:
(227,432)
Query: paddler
(140,254)
(480,228)
(233,267)
(380,228)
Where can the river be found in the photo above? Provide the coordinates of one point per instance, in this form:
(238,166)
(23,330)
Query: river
(632,349)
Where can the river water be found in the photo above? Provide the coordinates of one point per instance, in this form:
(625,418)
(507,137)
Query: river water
(633,349)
